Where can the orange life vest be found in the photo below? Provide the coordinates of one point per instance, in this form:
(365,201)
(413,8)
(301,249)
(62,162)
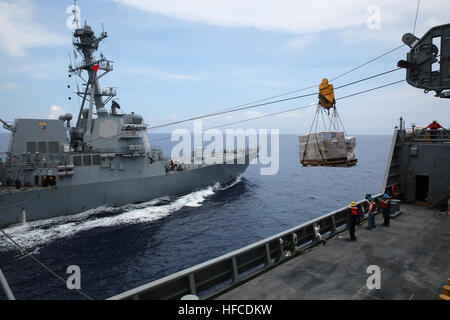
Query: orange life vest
(434,126)
(395,190)
(354,210)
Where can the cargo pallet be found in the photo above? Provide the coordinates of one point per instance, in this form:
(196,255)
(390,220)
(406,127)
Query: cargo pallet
(329,163)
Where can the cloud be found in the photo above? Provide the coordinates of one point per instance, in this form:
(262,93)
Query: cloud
(55,112)
(291,16)
(284,16)
(177,76)
(9,86)
(19,31)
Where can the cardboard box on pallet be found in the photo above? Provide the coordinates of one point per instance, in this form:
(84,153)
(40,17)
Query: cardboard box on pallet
(327,146)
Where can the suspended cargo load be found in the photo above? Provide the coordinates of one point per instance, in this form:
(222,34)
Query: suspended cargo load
(328,148)
(350,144)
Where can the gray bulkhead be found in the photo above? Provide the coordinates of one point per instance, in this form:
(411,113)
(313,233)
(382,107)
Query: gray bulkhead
(420,167)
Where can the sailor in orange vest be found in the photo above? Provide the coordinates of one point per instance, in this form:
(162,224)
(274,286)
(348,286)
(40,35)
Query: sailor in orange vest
(434,127)
(353,220)
(372,211)
(394,191)
(386,209)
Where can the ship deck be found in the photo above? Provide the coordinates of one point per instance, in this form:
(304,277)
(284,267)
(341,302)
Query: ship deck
(13,189)
(412,253)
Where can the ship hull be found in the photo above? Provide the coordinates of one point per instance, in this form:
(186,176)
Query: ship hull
(45,203)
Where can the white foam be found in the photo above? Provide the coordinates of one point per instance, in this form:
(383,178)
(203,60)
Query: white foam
(217,186)
(36,233)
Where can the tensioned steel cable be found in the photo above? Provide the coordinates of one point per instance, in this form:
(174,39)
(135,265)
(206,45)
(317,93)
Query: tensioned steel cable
(303,89)
(417,12)
(368,78)
(366,63)
(233,110)
(40,263)
(309,106)
(245,120)
(289,110)
(267,103)
(333,79)
(371,89)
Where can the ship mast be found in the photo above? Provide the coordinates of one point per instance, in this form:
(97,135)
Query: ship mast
(75,17)
(86,44)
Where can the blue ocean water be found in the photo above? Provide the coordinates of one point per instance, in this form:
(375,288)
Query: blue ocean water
(119,249)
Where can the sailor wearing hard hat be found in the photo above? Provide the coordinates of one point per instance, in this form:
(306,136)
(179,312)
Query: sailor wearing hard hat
(386,209)
(352,220)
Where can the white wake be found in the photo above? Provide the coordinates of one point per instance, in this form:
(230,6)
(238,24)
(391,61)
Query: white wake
(36,233)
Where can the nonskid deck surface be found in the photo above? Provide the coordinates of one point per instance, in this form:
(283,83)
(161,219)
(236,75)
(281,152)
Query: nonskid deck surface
(412,253)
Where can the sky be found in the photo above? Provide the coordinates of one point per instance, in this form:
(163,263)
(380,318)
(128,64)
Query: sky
(175,59)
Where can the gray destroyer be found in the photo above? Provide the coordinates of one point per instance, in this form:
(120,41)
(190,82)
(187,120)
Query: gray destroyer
(53,169)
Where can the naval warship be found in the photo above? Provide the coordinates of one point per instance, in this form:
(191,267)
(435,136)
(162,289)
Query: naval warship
(53,168)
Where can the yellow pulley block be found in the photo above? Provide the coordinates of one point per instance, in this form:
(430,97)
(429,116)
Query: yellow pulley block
(326,95)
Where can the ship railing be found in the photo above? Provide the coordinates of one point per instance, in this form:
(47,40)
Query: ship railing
(28,160)
(5,286)
(222,156)
(423,134)
(129,134)
(3,157)
(103,64)
(30,164)
(209,279)
(156,149)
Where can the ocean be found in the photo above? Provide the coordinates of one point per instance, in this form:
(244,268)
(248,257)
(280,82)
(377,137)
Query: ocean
(122,248)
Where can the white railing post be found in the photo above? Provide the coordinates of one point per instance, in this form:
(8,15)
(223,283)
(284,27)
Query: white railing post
(5,286)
